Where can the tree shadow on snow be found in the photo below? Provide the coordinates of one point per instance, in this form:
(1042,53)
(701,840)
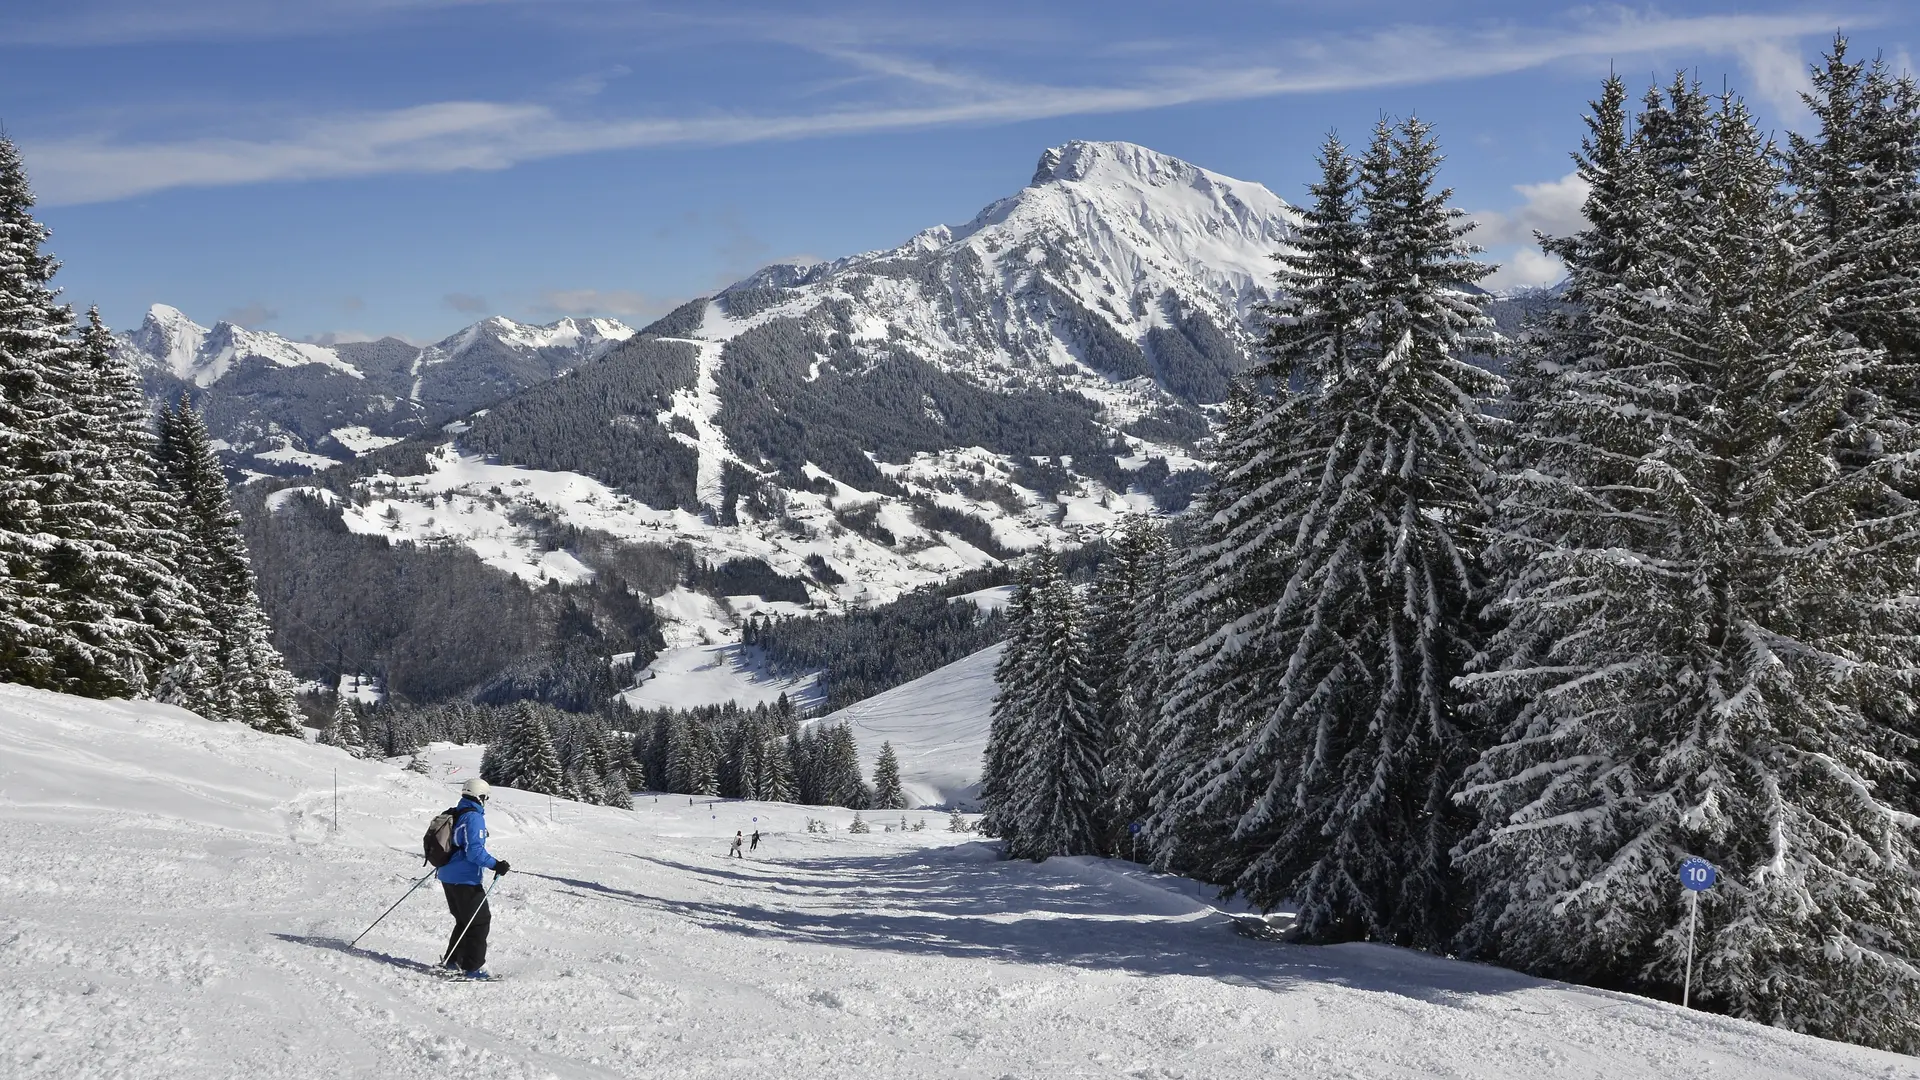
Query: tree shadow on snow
(1016,912)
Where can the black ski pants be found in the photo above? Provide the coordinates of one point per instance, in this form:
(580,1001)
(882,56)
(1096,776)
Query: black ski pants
(464,902)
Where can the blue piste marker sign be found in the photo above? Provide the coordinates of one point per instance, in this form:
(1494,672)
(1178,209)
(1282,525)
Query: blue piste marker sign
(1697,874)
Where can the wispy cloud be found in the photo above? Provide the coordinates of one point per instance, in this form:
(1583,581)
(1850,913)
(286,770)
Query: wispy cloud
(466,303)
(461,135)
(621,303)
(349,337)
(120,22)
(252,315)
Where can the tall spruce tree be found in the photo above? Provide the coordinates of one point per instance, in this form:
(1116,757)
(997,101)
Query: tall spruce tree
(1334,584)
(250,682)
(616,780)
(526,757)
(343,729)
(34,346)
(1007,726)
(1126,595)
(887,793)
(771,769)
(842,784)
(1701,656)
(1044,751)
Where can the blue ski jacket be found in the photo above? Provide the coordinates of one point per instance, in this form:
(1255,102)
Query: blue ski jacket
(470,854)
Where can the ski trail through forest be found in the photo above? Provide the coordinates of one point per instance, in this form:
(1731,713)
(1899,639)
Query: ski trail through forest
(175,901)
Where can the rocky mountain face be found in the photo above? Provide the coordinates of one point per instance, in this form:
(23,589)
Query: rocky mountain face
(288,407)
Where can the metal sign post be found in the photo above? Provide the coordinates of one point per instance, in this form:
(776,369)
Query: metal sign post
(1698,876)
(1133,837)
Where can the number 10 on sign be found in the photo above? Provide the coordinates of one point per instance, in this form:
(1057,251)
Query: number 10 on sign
(1698,876)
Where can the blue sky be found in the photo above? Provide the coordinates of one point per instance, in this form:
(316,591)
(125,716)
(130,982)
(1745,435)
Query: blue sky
(349,168)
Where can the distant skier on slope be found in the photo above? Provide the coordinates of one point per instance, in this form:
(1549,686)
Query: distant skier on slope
(755,845)
(734,851)
(467,944)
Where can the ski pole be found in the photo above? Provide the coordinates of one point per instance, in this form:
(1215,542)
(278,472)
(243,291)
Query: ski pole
(476,914)
(389,911)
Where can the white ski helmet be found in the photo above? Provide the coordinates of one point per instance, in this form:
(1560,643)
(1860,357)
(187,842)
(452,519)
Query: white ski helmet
(476,787)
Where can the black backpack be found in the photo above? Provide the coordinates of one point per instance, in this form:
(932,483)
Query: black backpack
(437,845)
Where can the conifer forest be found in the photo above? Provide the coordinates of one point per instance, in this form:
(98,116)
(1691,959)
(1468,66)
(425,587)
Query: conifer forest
(1470,662)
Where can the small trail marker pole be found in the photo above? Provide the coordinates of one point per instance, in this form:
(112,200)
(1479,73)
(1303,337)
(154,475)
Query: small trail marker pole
(1698,876)
(549,807)
(1133,837)
(336,800)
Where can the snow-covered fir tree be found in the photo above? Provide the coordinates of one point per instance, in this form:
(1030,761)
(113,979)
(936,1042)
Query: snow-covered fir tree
(887,793)
(100,593)
(770,768)
(1706,650)
(252,684)
(343,728)
(1006,723)
(1127,595)
(839,770)
(33,334)
(590,772)
(1331,589)
(125,611)
(692,760)
(1044,791)
(524,757)
(616,782)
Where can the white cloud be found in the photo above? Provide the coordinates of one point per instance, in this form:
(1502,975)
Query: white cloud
(457,135)
(1526,268)
(466,302)
(1551,207)
(1779,77)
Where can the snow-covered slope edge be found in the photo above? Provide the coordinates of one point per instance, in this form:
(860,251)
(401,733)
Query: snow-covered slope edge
(937,725)
(173,903)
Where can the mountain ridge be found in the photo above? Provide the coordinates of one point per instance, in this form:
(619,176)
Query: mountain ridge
(281,406)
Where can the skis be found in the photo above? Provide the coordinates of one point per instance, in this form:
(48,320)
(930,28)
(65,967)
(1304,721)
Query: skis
(457,976)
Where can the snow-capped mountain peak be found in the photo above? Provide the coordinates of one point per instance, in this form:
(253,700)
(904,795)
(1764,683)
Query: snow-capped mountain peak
(1115,263)
(1145,212)
(168,340)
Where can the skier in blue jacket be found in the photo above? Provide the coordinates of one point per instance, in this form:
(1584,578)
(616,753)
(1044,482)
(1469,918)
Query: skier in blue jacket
(461,880)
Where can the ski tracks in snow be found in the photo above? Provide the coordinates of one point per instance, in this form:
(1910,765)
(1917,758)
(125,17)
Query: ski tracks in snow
(148,930)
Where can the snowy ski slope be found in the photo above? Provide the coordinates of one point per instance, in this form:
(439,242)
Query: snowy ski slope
(174,902)
(937,725)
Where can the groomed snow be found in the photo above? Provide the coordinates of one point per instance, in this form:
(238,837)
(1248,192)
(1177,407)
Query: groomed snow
(174,902)
(714,675)
(937,725)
